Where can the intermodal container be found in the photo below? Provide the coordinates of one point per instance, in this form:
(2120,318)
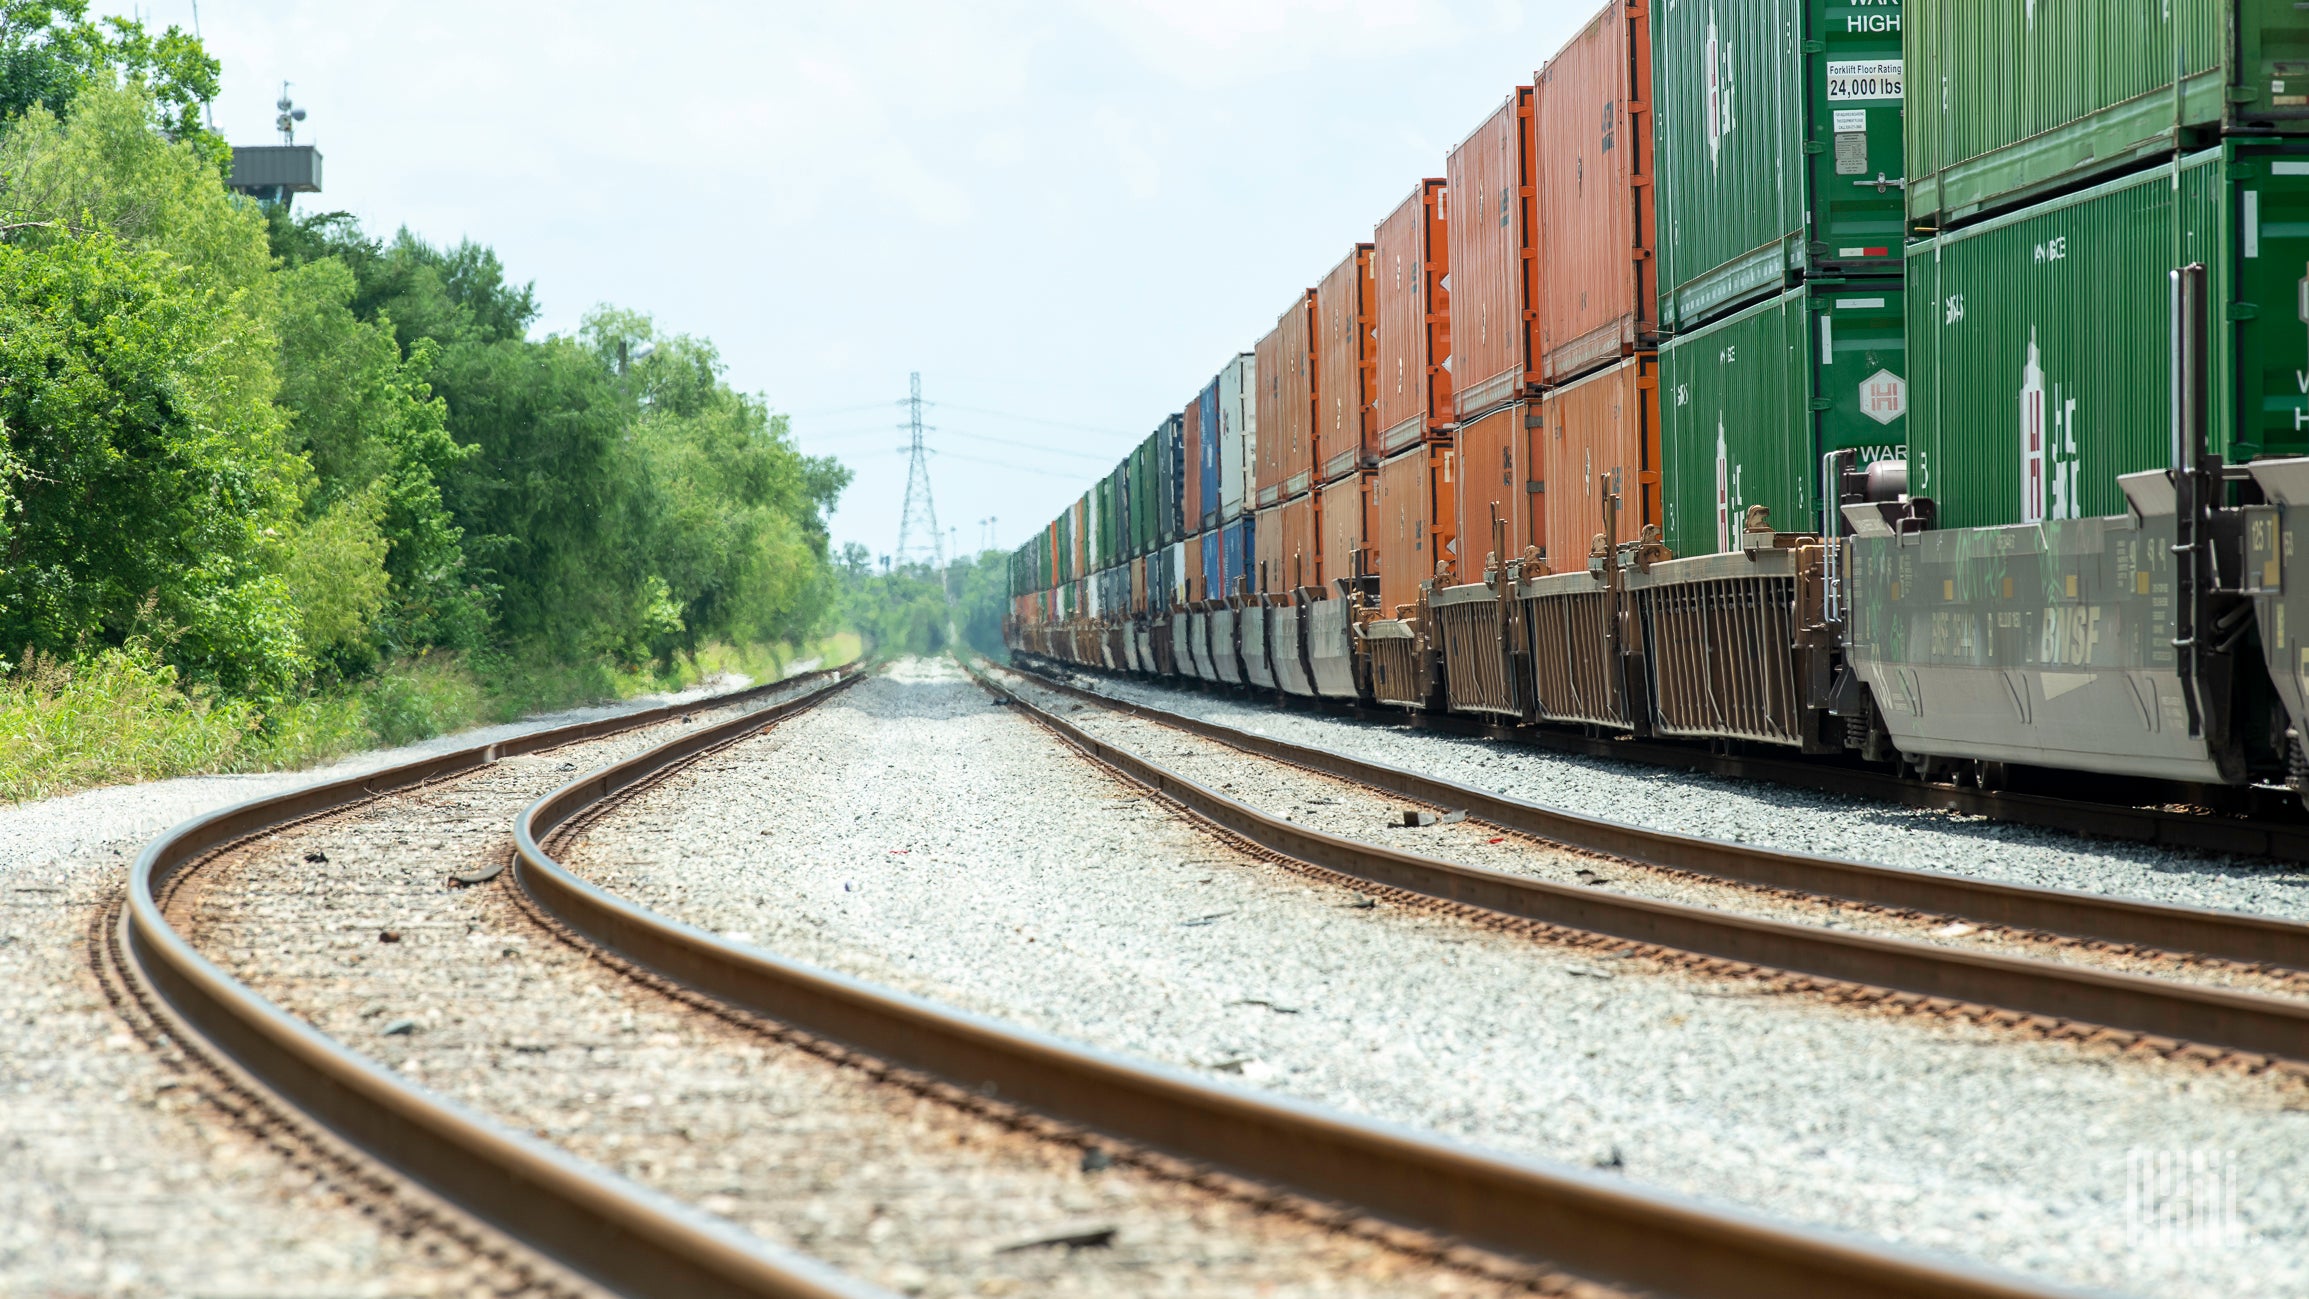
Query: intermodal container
(1778,138)
(1189,578)
(1110,521)
(1300,548)
(1267,572)
(2042,338)
(1410,274)
(1238,435)
(1239,555)
(1413,514)
(1138,584)
(1215,564)
(1171,475)
(1079,560)
(1749,404)
(1143,491)
(2010,101)
(1343,513)
(1286,403)
(1205,501)
(1593,143)
(1498,481)
(1495,264)
(1191,493)
(1345,441)
(1599,454)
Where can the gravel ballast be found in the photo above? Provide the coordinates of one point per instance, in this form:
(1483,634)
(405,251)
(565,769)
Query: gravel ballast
(349,923)
(915,834)
(122,1178)
(1769,815)
(1347,810)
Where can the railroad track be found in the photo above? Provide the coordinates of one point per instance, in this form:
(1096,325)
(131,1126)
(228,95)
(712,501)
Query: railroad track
(628,1240)
(2271,829)
(2251,1030)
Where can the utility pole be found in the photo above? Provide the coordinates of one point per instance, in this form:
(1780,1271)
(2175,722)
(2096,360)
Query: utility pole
(918,524)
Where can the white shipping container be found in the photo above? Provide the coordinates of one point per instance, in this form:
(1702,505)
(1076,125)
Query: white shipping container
(1175,571)
(1238,435)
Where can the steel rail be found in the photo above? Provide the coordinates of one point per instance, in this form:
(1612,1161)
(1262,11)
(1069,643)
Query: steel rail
(622,1236)
(2217,1017)
(2280,840)
(1581,1222)
(2229,935)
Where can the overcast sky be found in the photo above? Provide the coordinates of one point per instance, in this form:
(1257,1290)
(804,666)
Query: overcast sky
(1065,216)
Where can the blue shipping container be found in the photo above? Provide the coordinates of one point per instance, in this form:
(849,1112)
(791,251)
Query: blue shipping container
(1214,572)
(1239,551)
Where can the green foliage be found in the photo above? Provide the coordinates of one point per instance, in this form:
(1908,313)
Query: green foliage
(271,490)
(51,53)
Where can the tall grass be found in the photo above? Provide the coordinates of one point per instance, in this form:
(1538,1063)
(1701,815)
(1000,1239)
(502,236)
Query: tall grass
(123,715)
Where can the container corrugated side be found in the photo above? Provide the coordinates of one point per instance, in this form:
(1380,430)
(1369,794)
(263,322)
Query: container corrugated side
(1411,314)
(1267,476)
(1206,499)
(1190,575)
(1294,387)
(1267,573)
(1413,514)
(1494,264)
(1238,435)
(2043,337)
(1599,454)
(1300,549)
(1750,404)
(2010,101)
(1495,481)
(1745,90)
(1343,514)
(1171,473)
(1239,560)
(1345,441)
(1191,491)
(1593,135)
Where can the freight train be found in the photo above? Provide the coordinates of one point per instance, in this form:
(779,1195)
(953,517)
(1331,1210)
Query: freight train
(1920,383)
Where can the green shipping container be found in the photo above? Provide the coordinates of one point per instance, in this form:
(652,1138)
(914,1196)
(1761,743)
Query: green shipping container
(2041,341)
(1143,490)
(1778,142)
(1750,404)
(2011,100)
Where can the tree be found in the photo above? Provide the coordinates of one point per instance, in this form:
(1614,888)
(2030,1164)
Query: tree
(51,52)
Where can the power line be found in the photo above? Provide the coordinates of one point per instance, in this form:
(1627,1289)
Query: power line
(1032,419)
(921,513)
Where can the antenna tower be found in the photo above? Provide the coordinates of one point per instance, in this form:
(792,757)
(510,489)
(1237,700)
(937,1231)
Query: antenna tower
(918,534)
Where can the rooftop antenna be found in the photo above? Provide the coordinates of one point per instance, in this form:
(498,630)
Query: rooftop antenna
(286,123)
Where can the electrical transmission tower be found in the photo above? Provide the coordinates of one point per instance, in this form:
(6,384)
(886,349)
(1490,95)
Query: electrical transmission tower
(918,534)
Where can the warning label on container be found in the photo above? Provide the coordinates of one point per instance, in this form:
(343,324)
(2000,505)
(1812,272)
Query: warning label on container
(1851,153)
(1850,79)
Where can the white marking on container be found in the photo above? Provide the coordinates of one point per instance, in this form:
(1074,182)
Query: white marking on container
(2252,223)
(1827,340)
(2289,169)
(1857,304)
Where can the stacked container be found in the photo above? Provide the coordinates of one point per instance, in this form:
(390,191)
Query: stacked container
(1238,437)
(2053,210)
(1286,404)
(1411,516)
(1780,225)
(1495,263)
(1595,448)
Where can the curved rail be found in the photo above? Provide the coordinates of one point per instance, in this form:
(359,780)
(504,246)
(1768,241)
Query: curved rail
(622,1236)
(2218,1017)
(1587,1224)
(2230,935)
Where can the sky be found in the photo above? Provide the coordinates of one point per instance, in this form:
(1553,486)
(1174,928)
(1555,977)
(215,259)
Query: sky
(1066,217)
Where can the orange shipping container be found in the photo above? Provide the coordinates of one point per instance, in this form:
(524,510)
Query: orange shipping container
(1594,141)
(1286,378)
(1494,262)
(1267,570)
(1191,501)
(1345,440)
(1413,514)
(1600,435)
(1191,576)
(1496,480)
(1301,548)
(1411,316)
(1345,517)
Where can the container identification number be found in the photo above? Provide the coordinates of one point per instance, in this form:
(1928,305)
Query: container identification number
(1851,79)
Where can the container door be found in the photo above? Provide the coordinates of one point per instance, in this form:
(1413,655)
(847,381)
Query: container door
(1859,380)
(1854,82)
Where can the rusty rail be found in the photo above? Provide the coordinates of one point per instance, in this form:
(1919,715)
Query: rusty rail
(625,1237)
(2218,1017)
(1580,1222)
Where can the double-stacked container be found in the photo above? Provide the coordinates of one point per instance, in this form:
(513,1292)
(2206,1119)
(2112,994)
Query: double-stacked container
(1413,513)
(1778,139)
(1285,407)
(1495,274)
(1595,446)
